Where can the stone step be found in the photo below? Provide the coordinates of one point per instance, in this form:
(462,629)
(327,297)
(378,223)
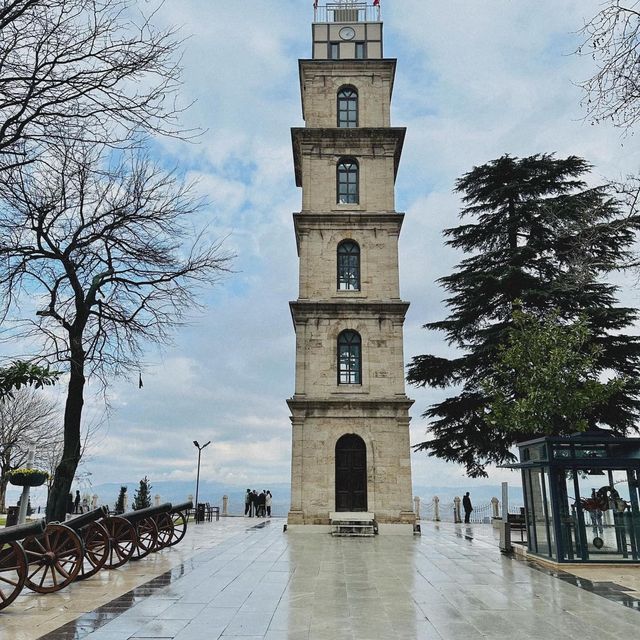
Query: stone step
(353,525)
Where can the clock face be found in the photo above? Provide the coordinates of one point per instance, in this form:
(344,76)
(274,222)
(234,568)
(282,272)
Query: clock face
(347,33)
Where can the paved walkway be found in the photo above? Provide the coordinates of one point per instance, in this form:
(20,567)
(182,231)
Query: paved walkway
(235,581)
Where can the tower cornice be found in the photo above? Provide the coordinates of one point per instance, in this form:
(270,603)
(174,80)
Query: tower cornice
(302,310)
(338,141)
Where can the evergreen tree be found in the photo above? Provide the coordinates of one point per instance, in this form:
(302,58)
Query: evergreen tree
(536,234)
(119,508)
(142,498)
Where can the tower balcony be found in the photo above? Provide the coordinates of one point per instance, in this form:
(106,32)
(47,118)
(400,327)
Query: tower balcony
(346,11)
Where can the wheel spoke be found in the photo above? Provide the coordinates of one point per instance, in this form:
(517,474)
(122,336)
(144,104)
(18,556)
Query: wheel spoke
(44,575)
(7,581)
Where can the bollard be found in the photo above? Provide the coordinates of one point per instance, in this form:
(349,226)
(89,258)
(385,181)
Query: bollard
(495,506)
(436,509)
(457,518)
(225,505)
(157,499)
(125,502)
(416,507)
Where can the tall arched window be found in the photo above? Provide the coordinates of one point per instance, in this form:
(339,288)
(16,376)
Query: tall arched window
(348,266)
(349,358)
(347,181)
(348,107)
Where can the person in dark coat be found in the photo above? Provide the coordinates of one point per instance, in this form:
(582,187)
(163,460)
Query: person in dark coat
(466,505)
(262,500)
(247,503)
(76,503)
(254,503)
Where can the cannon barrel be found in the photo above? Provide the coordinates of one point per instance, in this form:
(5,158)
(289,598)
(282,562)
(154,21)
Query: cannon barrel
(183,506)
(21,531)
(86,518)
(135,516)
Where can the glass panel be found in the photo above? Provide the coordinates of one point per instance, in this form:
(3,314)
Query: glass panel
(537,507)
(606,515)
(360,50)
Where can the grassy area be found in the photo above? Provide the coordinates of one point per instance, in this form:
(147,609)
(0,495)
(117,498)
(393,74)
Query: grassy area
(3,520)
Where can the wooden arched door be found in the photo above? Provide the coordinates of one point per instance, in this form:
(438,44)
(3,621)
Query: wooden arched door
(351,473)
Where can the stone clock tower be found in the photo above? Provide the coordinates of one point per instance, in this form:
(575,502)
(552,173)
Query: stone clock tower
(349,413)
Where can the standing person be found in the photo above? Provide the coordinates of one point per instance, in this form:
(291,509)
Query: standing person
(247,502)
(76,503)
(268,503)
(466,505)
(254,504)
(261,504)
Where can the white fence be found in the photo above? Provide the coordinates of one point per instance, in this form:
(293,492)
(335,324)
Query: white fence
(347,12)
(450,511)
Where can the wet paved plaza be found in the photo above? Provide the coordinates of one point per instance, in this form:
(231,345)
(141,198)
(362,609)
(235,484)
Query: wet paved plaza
(235,580)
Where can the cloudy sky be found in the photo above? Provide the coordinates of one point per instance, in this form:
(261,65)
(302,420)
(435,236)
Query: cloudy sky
(476,79)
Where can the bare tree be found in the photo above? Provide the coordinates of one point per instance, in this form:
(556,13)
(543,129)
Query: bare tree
(28,420)
(104,250)
(83,70)
(612,39)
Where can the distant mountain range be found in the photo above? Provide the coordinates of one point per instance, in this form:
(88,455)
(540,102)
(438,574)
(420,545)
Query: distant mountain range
(212,492)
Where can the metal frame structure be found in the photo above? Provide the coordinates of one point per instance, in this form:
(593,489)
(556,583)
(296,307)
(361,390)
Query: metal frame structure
(582,497)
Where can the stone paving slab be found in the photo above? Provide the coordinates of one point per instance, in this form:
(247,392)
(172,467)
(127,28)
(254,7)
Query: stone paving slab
(237,581)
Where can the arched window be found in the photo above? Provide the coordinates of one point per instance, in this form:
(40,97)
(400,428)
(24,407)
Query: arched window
(347,181)
(349,358)
(347,107)
(348,266)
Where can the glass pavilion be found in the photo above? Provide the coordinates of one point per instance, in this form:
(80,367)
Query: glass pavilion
(581,497)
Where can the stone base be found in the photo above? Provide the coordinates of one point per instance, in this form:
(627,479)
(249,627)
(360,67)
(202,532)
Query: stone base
(308,528)
(395,529)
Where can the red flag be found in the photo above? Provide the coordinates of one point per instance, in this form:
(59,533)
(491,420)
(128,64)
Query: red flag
(376,3)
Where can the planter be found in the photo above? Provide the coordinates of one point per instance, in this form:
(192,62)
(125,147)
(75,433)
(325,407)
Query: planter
(30,478)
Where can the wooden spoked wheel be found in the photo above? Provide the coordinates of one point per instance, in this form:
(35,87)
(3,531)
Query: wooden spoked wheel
(13,572)
(54,558)
(164,522)
(122,541)
(179,527)
(95,540)
(147,533)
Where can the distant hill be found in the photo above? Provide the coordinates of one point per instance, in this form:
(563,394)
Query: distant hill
(212,492)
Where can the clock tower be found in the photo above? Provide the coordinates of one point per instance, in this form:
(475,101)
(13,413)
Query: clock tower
(349,413)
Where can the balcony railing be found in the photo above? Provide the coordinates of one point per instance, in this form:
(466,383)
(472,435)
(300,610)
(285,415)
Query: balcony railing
(347,11)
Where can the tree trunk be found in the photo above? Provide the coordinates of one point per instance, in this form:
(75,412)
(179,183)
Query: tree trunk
(65,471)
(4,481)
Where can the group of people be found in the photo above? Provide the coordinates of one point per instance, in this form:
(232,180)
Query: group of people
(257,504)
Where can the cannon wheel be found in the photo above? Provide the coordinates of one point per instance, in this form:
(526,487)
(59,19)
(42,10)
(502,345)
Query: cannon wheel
(95,539)
(147,533)
(13,572)
(54,558)
(179,527)
(164,522)
(122,541)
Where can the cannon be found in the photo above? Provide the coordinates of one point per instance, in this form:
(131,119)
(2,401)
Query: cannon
(179,516)
(135,534)
(13,560)
(95,540)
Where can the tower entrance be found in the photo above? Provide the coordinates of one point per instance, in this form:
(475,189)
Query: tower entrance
(351,474)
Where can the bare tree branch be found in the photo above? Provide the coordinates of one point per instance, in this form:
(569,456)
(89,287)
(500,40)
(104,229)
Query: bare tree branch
(105,248)
(612,39)
(92,70)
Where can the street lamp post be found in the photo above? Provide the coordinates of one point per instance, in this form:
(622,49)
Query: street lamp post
(200,448)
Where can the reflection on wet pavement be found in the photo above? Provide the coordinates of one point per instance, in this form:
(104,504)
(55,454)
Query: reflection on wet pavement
(451,583)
